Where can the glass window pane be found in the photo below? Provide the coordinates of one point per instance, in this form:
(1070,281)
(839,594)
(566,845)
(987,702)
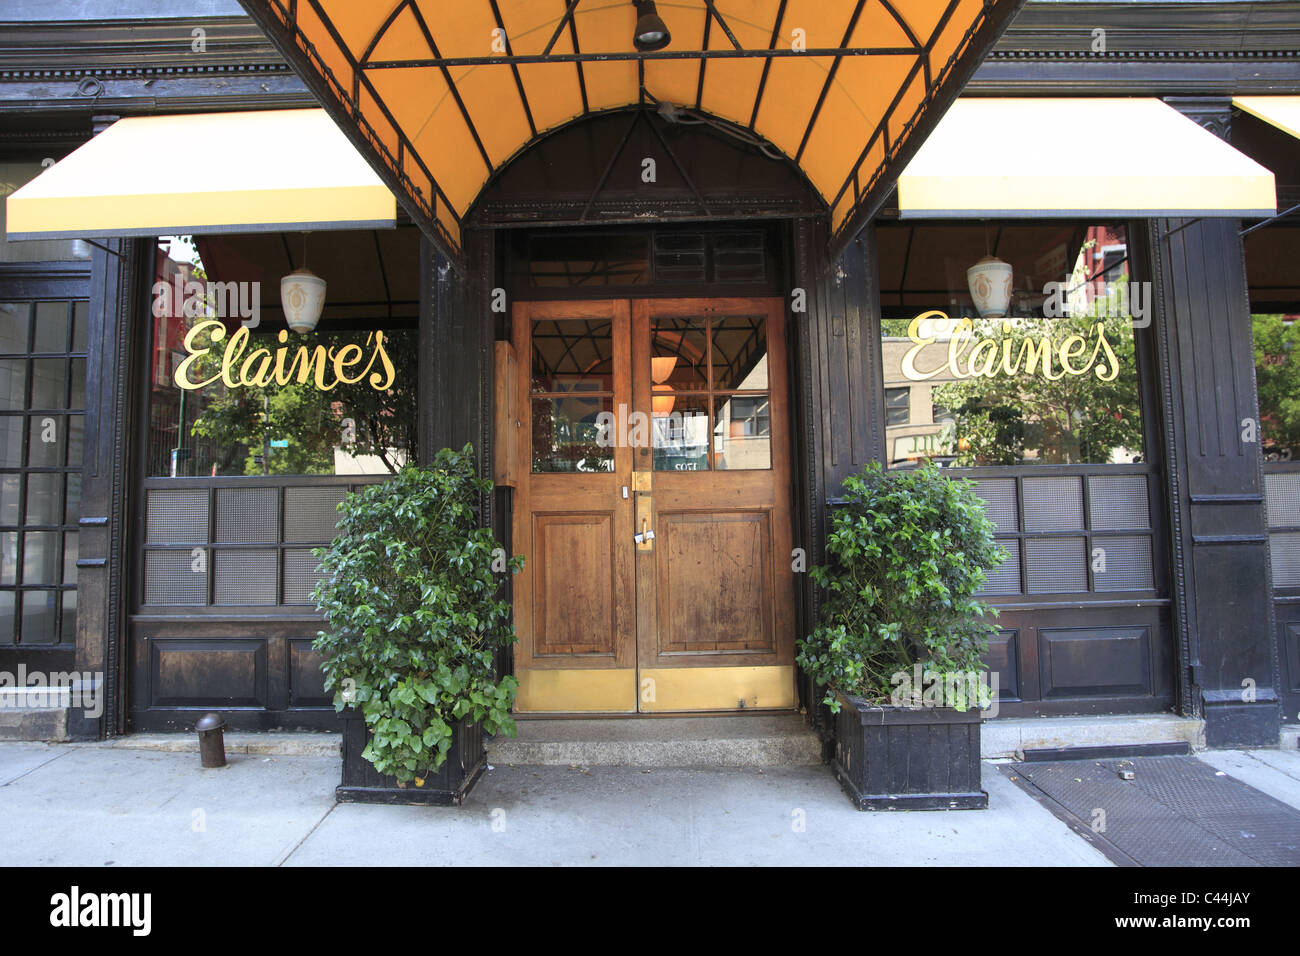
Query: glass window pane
(50,334)
(73,512)
(47,440)
(68,628)
(13,381)
(337,400)
(567,435)
(44,499)
(679,355)
(742,432)
(70,552)
(78,374)
(41,557)
(9,485)
(49,383)
(573,355)
(11,441)
(14,318)
(681,433)
(39,617)
(7,632)
(587,260)
(1013,344)
(740,353)
(76,425)
(9,558)
(80,320)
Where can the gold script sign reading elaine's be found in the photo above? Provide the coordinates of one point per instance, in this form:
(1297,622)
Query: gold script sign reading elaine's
(969,357)
(325,367)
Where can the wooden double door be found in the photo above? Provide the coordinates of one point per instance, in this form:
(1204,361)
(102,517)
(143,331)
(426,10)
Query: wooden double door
(652,506)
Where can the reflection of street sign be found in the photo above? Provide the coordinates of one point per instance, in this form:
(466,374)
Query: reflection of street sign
(930,445)
(279,443)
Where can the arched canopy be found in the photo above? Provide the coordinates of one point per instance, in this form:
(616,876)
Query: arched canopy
(440,94)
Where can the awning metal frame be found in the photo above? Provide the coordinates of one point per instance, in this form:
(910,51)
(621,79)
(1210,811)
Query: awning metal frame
(278,19)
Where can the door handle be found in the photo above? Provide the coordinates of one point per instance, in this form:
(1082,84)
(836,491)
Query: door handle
(645,535)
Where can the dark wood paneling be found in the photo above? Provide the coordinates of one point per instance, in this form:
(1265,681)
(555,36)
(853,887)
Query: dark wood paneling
(258,674)
(1094,662)
(1003,659)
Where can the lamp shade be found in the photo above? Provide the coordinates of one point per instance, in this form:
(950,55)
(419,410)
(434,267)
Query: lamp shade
(661,367)
(990,287)
(302,296)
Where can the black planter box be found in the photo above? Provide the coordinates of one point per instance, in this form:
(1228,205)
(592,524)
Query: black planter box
(899,758)
(362,783)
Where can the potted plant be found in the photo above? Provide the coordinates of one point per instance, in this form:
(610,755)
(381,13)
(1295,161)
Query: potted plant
(410,595)
(899,645)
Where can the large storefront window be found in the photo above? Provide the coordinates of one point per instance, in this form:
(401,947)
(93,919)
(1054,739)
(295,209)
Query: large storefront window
(1010,344)
(234,392)
(256,432)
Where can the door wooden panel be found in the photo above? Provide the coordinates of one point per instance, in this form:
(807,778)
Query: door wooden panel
(714,580)
(574,583)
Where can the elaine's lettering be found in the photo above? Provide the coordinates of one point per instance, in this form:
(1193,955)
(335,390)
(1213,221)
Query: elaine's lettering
(325,368)
(969,357)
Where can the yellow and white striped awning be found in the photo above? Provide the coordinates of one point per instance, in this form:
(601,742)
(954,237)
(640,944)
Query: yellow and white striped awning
(442,95)
(1041,158)
(205,173)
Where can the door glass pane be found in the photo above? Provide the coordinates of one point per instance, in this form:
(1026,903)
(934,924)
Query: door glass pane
(13,327)
(13,376)
(38,617)
(11,441)
(678,355)
(73,499)
(49,383)
(740,353)
(40,558)
(567,434)
(742,432)
(69,615)
(44,498)
(48,438)
(9,485)
(681,433)
(50,333)
(9,558)
(6,617)
(572,355)
(80,318)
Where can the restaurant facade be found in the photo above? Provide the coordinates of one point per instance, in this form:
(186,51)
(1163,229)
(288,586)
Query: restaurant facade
(673,286)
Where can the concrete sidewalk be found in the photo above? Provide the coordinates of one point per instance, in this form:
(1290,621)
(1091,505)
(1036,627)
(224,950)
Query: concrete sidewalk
(97,805)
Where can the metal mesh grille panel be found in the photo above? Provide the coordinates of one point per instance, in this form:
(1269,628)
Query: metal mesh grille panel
(1128,564)
(1285,549)
(1283,495)
(247,514)
(1056,565)
(170,578)
(244,577)
(999,496)
(1119,503)
(1005,579)
(1053,504)
(300,575)
(310,514)
(177,517)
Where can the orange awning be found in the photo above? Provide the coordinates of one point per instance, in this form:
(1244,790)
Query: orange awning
(441,95)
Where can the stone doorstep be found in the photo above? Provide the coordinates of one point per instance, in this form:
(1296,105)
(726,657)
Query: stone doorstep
(1290,739)
(269,744)
(1010,737)
(49,724)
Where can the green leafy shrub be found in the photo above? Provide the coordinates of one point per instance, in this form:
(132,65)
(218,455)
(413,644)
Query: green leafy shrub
(906,554)
(414,621)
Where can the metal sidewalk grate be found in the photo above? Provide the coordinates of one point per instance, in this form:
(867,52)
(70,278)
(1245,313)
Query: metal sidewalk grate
(1176,811)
